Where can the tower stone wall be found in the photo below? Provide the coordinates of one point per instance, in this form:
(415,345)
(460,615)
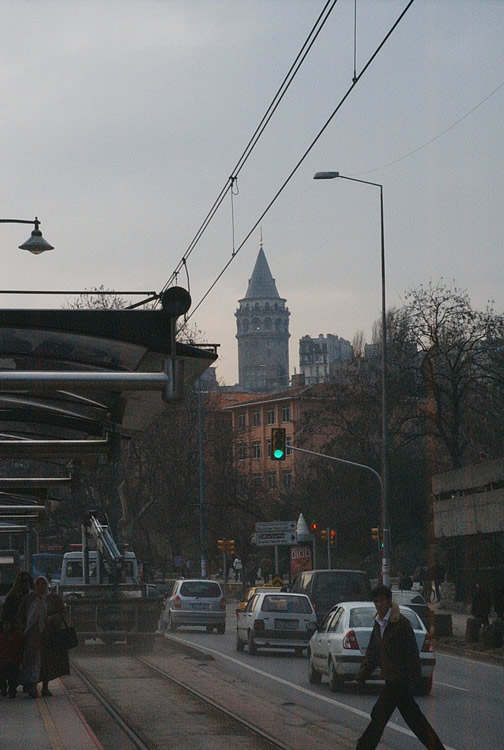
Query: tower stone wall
(262,323)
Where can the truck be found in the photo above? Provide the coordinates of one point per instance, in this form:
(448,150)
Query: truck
(103,596)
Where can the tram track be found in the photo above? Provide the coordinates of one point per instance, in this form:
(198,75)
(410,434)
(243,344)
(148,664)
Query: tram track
(215,717)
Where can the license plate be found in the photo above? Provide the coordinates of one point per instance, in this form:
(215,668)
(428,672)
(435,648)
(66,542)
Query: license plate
(201,606)
(286,624)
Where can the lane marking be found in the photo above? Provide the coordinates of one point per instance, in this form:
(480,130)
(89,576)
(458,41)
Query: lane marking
(299,688)
(454,687)
(471,660)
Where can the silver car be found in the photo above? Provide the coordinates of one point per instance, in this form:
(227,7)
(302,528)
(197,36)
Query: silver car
(339,646)
(195,601)
(276,620)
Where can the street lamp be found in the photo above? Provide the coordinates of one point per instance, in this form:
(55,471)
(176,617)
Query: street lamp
(384,464)
(35,244)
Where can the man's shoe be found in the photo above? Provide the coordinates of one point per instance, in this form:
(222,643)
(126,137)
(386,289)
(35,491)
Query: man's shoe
(12,693)
(46,692)
(32,692)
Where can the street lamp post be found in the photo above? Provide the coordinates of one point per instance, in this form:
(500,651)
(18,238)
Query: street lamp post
(35,244)
(384,462)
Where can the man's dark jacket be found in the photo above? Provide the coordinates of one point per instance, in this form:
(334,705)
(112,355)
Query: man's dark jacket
(396,653)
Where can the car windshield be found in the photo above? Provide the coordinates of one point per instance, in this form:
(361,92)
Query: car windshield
(207,589)
(286,604)
(332,585)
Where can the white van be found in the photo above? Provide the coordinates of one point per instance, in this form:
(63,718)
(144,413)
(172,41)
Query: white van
(72,570)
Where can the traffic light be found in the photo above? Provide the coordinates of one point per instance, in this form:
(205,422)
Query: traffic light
(323,535)
(278,444)
(314,527)
(221,545)
(230,547)
(375,533)
(333,537)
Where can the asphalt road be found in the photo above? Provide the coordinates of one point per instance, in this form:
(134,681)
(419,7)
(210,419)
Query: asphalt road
(466,705)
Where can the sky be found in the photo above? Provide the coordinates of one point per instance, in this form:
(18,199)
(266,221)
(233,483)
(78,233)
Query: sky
(122,120)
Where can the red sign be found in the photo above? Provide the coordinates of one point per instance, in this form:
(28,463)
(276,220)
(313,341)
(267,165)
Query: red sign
(300,559)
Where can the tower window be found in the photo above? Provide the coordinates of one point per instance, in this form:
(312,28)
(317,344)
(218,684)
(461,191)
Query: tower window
(242,421)
(256,418)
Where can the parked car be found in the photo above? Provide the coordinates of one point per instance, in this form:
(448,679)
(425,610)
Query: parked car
(249,593)
(195,601)
(276,620)
(338,647)
(325,588)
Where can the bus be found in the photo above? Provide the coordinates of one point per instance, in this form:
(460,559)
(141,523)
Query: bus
(10,565)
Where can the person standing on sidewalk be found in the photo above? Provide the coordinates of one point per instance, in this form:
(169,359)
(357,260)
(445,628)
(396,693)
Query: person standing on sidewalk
(393,647)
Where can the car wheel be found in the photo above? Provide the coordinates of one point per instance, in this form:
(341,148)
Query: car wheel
(239,643)
(171,625)
(425,686)
(252,648)
(314,677)
(221,628)
(335,682)
(209,628)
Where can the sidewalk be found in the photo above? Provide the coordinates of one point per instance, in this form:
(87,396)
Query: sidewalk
(456,643)
(53,723)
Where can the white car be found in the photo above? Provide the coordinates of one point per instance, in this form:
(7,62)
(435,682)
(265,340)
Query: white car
(276,620)
(339,646)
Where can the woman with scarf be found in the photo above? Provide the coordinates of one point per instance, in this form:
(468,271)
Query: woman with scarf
(11,635)
(33,616)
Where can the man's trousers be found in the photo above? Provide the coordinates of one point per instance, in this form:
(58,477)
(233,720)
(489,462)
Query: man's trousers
(398,695)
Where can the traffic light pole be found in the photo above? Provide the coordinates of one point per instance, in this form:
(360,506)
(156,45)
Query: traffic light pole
(385,572)
(329,548)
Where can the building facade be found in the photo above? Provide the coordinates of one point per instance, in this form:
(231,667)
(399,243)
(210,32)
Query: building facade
(262,331)
(317,357)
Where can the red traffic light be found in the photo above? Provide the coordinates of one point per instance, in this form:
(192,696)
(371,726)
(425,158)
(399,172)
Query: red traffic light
(314,527)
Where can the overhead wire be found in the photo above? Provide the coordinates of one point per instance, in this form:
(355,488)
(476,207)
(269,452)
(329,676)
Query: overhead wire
(439,135)
(303,157)
(283,88)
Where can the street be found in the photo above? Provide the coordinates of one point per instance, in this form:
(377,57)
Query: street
(466,706)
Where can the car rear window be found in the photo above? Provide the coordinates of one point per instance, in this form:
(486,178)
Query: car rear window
(287,604)
(363,617)
(339,587)
(208,589)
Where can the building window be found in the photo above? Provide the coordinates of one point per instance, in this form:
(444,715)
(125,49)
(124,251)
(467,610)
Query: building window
(272,480)
(286,415)
(242,451)
(287,480)
(242,421)
(256,450)
(256,418)
(288,446)
(271,416)
(268,448)
(257,480)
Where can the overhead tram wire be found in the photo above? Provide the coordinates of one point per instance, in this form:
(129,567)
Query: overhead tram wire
(303,157)
(230,182)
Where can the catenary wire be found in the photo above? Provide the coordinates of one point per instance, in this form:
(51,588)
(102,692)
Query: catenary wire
(439,135)
(230,182)
(303,157)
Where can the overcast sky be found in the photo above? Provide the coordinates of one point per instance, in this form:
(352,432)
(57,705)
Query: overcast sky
(121,121)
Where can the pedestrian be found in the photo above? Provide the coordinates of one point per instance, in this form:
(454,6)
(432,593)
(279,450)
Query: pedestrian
(405,582)
(393,647)
(54,661)
(480,605)
(437,574)
(33,613)
(252,574)
(237,567)
(11,635)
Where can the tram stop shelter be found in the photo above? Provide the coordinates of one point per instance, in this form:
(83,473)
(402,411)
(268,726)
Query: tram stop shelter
(73,382)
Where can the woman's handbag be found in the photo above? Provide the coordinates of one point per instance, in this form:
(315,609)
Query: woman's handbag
(65,638)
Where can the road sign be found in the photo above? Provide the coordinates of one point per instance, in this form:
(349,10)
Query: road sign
(271,533)
(179,561)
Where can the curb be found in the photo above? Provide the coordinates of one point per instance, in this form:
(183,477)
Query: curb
(461,648)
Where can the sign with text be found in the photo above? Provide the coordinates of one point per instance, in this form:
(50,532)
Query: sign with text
(271,533)
(300,559)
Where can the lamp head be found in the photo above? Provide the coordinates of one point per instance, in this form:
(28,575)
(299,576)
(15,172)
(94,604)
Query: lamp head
(36,244)
(325,175)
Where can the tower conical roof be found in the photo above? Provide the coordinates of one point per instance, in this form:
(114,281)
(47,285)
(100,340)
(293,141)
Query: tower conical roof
(261,283)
